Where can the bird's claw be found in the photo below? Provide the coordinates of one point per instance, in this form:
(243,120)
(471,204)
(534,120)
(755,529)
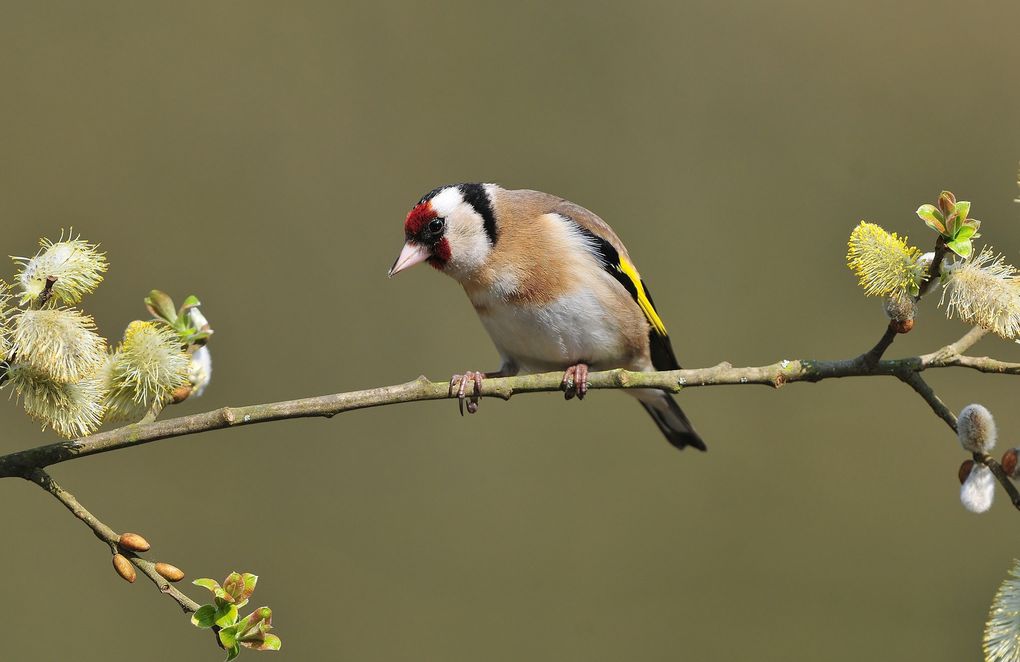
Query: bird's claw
(575,381)
(459,382)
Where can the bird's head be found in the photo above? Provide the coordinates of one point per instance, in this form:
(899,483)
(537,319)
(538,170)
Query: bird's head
(453,228)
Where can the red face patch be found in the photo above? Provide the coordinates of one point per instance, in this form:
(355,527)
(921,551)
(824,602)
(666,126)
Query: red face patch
(418,218)
(440,254)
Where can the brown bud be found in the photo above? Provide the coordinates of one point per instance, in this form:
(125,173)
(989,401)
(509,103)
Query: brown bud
(170,572)
(133,542)
(124,567)
(947,202)
(965,470)
(180,394)
(1009,463)
(901,326)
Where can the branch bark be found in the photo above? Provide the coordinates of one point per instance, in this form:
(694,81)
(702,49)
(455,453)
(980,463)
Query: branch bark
(108,536)
(22,463)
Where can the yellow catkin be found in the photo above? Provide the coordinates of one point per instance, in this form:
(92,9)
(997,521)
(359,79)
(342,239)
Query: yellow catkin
(883,262)
(59,342)
(72,409)
(144,371)
(77,266)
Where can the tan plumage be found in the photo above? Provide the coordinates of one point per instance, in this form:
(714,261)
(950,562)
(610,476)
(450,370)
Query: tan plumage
(551,282)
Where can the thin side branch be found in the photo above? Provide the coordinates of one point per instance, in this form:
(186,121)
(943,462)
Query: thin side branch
(916,382)
(874,355)
(1000,476)
(932,277)
(109,536)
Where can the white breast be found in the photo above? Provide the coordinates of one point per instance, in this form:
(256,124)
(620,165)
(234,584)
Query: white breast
(572,329)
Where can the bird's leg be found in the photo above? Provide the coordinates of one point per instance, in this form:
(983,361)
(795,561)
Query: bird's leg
(575,381)
(460,382)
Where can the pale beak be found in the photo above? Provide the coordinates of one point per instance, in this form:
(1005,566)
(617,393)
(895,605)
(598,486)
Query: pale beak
(411,255)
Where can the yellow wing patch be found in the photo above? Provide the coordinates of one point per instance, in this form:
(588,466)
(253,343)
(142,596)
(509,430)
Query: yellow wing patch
(642,297)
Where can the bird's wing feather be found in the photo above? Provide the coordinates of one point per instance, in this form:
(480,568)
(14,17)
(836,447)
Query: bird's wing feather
(610,251)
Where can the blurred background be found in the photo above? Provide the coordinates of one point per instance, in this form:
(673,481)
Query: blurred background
(263,156)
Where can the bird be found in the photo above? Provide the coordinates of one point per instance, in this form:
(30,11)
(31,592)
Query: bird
(554,287)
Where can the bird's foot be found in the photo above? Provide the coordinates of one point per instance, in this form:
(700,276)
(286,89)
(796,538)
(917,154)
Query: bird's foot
(575,381)
(458,386)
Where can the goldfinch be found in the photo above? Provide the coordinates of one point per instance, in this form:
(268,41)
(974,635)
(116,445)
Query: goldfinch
(552,284)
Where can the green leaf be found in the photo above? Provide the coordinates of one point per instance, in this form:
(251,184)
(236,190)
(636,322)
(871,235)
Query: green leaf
(255,624)
(226,615)
(961,248)
(228,637)
(932,217)
(195,337)
(233,652)
(249,585)
(204,617)
(234,584)
(205,582)
(270,642)
(962,208)
(953,224)
(189,303)
(161,305)
(965,233)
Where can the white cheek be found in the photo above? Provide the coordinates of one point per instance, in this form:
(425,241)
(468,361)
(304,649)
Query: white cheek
(447,201)
(469,250)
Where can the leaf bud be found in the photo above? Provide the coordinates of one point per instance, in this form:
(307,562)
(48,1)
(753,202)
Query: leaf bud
(1009,463)
(180,394)
(901,326)
(133,542)
(124,568)
(947,203)
(169,572)
(965,470)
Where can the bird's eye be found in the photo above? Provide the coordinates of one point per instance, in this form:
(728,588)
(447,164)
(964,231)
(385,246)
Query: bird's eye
(437,225)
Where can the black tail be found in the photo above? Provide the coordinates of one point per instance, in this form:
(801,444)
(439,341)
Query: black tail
(671,419)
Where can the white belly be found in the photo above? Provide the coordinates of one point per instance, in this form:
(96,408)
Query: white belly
(572,329)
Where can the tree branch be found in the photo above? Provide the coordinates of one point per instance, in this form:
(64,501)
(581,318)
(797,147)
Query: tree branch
(916,382)
(109,536)
(775,375)
(30,463)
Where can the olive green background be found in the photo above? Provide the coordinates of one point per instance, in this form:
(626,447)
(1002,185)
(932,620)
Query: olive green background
(263,155)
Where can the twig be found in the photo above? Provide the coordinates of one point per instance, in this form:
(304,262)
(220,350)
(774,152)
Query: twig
(108,536)
(774,375)
(1000,475)
(916,382)
(47,292)
(935,270)
(929,280)
(874,355)
(30,463)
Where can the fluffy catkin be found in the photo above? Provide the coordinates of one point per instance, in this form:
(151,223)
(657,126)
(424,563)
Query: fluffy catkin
(77,266)
(58,342)
(143,372)
(71,409)
(985,291)
(978,491)
(976,429)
